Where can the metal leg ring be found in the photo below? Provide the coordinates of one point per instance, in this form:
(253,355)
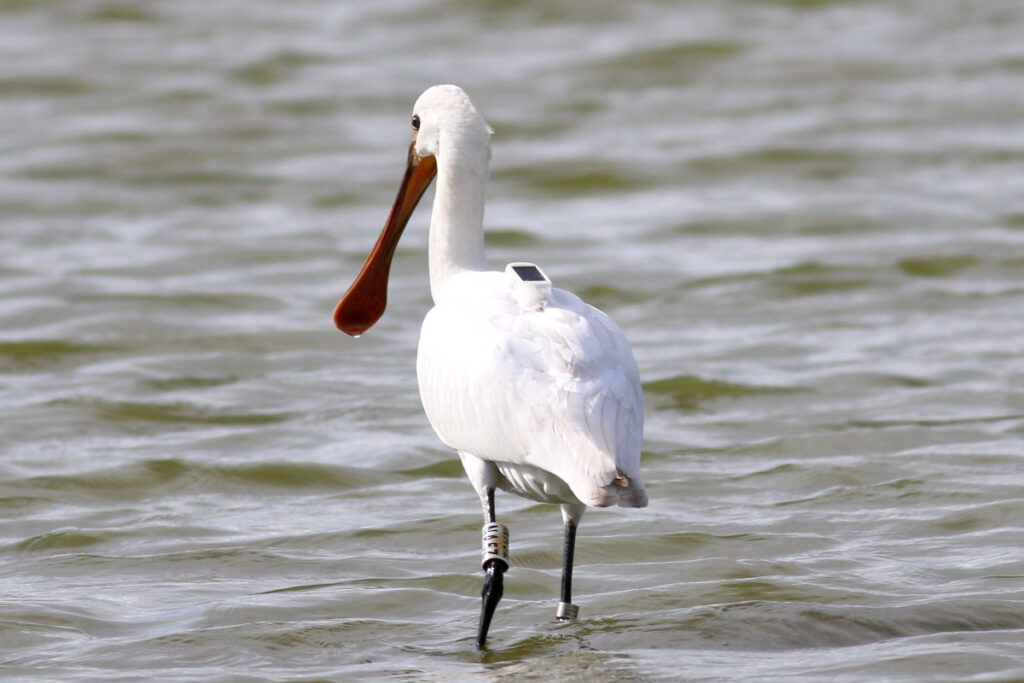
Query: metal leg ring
(566,612)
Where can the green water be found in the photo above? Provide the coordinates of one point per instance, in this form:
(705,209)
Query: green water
(807,217)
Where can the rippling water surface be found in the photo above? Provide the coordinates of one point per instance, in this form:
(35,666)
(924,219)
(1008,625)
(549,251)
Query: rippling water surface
(808,217)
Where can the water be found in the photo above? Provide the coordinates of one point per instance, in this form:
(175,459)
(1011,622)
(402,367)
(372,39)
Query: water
(806,215)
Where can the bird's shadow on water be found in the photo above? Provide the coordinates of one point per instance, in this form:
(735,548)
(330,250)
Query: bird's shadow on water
(562,652)
(538,644)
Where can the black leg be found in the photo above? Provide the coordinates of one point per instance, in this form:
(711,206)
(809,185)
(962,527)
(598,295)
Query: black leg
(489,511)
(495,565)
(493,589)
(566,610)
(567,555)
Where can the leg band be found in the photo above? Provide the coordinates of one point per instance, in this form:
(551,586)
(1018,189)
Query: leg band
(495,543)
(566,612)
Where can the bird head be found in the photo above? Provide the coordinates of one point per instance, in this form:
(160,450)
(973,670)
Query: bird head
(442,116)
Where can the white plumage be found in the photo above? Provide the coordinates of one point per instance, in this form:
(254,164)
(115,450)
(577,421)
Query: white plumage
(554,389)
(536,390)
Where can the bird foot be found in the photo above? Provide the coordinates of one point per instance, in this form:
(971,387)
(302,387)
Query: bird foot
(566,612)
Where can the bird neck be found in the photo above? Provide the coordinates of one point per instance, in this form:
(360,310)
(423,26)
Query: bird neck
(456,240)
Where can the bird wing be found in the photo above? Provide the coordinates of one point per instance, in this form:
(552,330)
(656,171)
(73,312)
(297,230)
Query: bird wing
(555,388)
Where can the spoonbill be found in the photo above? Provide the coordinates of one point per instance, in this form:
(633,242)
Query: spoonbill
(537,391)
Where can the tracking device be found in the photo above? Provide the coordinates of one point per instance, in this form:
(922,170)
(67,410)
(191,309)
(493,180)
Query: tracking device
(532,287)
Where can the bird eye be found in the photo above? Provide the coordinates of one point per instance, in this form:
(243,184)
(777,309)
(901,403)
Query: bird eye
(415,122)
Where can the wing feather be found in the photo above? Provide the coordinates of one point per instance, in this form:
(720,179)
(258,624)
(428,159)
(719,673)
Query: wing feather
(557,389)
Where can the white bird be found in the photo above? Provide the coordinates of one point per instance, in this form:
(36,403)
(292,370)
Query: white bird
(537,391)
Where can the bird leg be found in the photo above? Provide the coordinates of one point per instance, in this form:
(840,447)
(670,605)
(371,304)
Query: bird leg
(566,610)
(495,564)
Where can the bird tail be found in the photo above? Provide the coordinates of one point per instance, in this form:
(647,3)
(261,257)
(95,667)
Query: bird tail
(631,492)
(624,491)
